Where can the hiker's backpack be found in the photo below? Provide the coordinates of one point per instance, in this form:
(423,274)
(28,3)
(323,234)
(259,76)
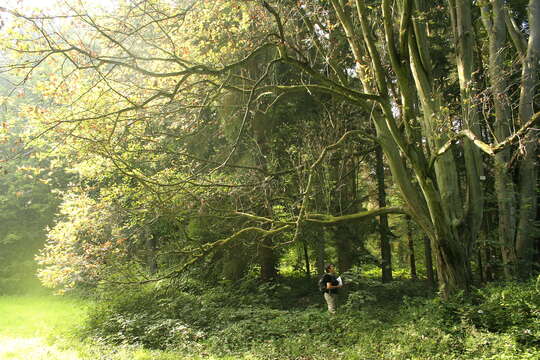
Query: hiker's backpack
(322,284)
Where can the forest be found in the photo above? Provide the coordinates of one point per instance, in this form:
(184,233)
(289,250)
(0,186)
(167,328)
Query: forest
(178,175)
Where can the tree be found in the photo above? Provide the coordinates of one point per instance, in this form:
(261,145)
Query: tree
(517,201)
(151,65)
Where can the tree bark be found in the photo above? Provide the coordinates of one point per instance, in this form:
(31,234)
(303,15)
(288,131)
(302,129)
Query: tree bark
(460,11)
(494,23)
(528,170)
(384,231)
(429,263)
(442,191)
(344,238)
(480,265)
(320,252)
(306,259)
(410,243)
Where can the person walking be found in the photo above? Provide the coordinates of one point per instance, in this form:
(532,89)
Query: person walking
(333,284)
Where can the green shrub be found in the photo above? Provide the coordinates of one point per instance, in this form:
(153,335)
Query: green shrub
(512,308)
(376,322)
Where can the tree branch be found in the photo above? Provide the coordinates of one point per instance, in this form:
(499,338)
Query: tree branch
(488,149)
(332,220)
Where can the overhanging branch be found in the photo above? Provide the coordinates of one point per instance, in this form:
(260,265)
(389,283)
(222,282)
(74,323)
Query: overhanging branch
(324,219)
(488,149)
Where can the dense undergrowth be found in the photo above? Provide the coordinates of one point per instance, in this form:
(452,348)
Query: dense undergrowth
(287,320)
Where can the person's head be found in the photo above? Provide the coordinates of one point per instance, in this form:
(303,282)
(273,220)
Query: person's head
(330,268)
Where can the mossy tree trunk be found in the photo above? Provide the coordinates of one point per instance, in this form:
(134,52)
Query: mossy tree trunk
(528,165)
(494,23)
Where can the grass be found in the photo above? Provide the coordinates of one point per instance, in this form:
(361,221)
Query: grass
(30,326)
(45,328)
(39,316)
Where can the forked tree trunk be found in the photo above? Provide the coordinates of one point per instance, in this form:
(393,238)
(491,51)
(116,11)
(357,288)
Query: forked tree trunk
(460,11)
(441,192)
(434,198)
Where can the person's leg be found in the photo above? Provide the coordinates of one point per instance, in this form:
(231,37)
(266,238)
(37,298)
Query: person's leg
(331,302)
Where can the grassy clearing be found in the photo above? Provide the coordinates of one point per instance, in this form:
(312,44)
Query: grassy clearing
(39,316)
(30,325)
(45,328)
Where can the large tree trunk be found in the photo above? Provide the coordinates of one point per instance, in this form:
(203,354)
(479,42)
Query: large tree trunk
(460,11)
(528,171)
(493,19)
(435,198)
(442,191)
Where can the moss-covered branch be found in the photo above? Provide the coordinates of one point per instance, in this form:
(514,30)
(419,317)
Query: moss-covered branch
(488,149)
(263,219)
(325,219)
